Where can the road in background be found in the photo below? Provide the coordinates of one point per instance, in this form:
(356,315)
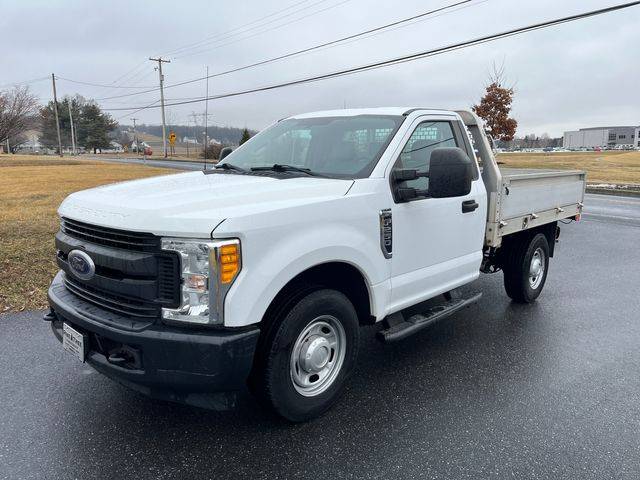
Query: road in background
(609,208)
(175,164)
(500,390)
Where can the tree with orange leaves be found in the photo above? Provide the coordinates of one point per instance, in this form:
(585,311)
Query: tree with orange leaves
(495,106)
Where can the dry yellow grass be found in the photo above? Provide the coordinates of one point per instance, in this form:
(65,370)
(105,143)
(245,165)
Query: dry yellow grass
(601,167)
(31,188)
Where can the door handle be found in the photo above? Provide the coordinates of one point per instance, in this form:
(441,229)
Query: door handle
(469,206)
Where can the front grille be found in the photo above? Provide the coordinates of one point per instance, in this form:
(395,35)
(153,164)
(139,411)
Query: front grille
(141,242)
(116,303)
(133,276)
(169,279)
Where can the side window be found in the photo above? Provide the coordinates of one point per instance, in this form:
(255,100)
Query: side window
(416,154)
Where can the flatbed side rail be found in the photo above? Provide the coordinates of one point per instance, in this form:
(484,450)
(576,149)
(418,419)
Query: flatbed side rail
(532,199)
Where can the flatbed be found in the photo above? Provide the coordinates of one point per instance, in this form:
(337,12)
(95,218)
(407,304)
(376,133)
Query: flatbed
(523,198)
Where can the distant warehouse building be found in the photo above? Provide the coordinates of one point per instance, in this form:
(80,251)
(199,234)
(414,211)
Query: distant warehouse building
(602,137)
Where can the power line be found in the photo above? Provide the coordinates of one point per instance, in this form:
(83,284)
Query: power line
(25,82)
(129,72)
(136,111)
(419,55)
(100,84)
(265,31)
(129,76)
(228,32)
(348,37)
(304,50)
(174,99)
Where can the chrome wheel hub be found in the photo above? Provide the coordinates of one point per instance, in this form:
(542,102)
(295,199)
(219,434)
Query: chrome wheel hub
(536,268)
(317,356)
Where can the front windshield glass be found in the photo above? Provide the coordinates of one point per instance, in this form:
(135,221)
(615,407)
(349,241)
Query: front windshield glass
(343,147)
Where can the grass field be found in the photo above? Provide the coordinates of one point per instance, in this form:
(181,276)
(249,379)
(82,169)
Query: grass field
(31,188)
(601,167)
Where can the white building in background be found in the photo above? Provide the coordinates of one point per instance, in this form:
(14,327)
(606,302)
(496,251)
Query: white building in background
(610,137)
(32,144)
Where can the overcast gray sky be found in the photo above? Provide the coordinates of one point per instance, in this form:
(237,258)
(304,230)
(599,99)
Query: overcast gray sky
(577,75)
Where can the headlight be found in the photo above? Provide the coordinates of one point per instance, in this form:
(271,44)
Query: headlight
(208,269)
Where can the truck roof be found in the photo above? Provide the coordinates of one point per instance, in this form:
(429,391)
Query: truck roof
(349,112)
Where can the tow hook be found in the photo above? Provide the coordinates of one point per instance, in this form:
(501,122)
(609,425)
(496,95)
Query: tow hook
(49,316)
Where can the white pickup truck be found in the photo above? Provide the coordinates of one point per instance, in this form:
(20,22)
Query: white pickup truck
(260,271)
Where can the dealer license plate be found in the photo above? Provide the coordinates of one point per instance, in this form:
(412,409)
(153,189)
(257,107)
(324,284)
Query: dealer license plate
(73,341)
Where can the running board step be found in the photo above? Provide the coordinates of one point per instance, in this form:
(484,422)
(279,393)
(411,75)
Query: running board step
(400,328)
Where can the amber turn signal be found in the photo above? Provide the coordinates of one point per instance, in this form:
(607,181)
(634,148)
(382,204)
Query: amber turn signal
(229,262)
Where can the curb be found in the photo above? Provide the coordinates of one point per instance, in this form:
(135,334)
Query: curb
(614,191)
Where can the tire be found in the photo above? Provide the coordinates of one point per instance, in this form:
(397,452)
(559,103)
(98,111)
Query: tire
(524,257)
(297,372)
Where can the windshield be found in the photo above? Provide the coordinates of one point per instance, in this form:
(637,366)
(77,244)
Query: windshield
(343,147)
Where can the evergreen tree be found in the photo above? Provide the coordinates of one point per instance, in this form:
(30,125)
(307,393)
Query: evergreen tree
(49,137)
(92,125)
(245,136)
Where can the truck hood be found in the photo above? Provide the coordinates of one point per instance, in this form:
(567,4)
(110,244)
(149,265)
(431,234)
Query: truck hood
(193,204)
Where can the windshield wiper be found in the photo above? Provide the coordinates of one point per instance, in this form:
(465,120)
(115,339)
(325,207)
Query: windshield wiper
(277,167)
(229,166)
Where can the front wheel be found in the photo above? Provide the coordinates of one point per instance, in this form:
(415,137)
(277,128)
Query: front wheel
(526,268)
(307,354)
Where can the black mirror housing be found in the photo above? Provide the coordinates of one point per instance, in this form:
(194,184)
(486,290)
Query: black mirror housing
(225,152)
(450,173)
(404,175)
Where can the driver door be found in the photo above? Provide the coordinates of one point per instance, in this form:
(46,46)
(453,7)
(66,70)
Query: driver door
(437,242)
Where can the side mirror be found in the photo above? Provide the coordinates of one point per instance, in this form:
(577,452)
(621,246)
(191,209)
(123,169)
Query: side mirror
(450,173)
(404,175)
(406,194)
(225,152)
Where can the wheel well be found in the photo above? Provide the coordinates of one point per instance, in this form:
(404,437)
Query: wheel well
(549,230)
(339,276)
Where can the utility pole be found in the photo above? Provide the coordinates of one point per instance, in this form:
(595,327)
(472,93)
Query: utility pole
(73,135)
(8,149)
(160,61)
(194,116)
(135,136)
(206,121)
(55,110)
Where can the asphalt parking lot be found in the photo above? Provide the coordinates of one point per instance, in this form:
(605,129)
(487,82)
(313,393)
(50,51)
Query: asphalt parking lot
(549,390)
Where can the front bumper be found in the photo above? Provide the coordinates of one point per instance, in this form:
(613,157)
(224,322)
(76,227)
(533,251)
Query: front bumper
(178,364)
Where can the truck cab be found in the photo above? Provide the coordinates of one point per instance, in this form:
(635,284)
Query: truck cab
(260,271)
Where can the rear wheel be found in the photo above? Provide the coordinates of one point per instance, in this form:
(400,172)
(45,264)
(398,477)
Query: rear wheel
(525,268)
(307,354)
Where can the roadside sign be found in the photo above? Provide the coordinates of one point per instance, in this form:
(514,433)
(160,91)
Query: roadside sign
(172,138)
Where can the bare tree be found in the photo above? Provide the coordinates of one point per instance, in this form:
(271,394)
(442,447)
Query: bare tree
(18,108)
(17,141)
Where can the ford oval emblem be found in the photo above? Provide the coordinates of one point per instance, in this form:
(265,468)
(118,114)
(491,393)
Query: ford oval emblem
(81,265)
